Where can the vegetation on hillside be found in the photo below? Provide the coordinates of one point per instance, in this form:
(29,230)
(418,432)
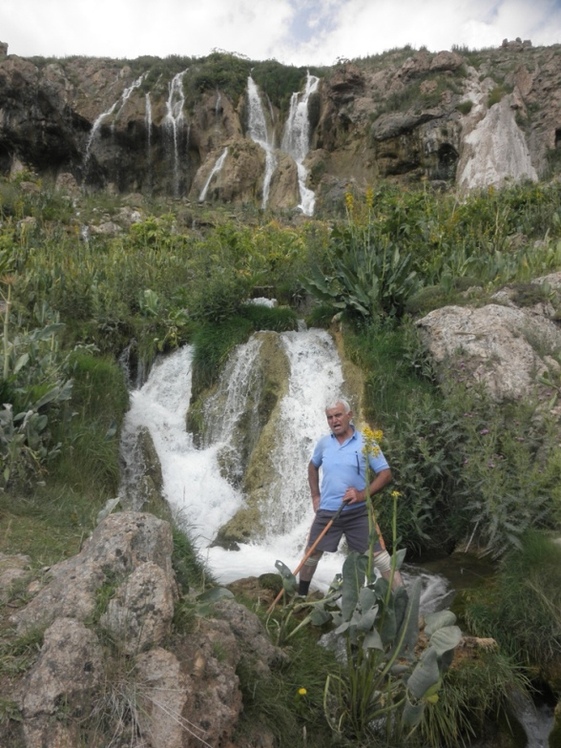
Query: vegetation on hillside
(72,302)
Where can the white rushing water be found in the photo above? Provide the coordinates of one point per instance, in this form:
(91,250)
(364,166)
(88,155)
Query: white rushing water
(259,133)
(174,120)
(296,139)
(112,112)
(192,483)
(219,163)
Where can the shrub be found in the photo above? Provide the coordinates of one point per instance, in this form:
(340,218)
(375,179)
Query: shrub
(465,107)
(523,611)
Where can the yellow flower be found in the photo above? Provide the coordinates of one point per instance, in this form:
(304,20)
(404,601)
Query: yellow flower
(371,439)
(395,495)
(302,692)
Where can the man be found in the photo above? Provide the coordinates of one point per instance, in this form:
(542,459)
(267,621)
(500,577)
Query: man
(340,455)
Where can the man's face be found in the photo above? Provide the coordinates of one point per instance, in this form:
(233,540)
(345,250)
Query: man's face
(338,420)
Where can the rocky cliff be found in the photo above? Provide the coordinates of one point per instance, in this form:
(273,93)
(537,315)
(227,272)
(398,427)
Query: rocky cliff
(229,130)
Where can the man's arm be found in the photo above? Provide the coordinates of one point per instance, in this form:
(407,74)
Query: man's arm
(313,482)
(354,496)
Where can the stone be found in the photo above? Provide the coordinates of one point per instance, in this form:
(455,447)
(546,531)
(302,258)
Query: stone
(59,689)
(503,348)
(139,616)
(119,544)
(163,691)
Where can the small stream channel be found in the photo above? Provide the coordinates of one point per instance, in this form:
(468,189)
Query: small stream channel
(462,571)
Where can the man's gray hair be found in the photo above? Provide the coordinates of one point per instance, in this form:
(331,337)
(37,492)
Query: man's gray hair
(333,404)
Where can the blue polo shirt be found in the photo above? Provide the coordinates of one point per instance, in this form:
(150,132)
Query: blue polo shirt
(343,466)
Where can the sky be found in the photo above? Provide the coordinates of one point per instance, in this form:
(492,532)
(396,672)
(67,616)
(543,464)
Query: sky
(293,32)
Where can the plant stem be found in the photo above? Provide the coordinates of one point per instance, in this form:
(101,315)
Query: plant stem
(6,330)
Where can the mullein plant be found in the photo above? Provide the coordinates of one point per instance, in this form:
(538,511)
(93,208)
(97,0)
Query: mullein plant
(388,675)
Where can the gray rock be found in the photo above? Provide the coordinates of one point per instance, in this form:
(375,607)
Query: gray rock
(139,616)
(118,545)
(503,348)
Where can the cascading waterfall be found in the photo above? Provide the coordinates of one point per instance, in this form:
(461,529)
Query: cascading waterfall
(315,376)
(120,102)
(173,120)
(148,125)
(192,484)
(296,139)
(258,132)
(215,170)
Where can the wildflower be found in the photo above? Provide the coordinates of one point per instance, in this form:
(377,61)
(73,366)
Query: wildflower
(349,202)
(302,691)
(395,495)
(484,431)
(371,439)
(369,197)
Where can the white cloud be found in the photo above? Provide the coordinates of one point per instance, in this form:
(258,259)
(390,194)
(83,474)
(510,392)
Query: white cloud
(293,31)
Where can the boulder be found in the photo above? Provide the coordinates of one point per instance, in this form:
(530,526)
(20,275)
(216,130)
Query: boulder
(505,349)
(120,544)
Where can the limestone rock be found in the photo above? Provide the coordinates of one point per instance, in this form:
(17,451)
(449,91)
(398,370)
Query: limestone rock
(251,639)
(61,685)
(503,348)
(186,694)
(164,691)
(139,615)
(118,545)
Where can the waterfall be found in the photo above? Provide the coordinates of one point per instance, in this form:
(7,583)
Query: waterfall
(122,100)
(316,376)
(173,121)
(296,139)
(192,483)
(258,132)
(148,125)
(215,169)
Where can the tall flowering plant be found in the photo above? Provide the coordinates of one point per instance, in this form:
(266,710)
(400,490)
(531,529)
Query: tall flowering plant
(371,448)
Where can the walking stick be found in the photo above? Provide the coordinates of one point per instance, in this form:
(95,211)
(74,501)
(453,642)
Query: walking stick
(308,553)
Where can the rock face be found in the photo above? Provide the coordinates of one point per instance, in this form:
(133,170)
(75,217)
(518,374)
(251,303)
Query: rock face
(114,670)
(185,128)
(508,350)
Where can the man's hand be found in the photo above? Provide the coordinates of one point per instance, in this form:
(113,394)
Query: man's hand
(353,496)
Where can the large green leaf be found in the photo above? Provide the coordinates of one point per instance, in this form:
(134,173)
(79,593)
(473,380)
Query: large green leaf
(354,573)
(409,629)
(445,639)
(425,675)
(372,640)
(319,616)
(412,713)
(289,581)
(388,625)
(367,598)
(367,619)
(435,621)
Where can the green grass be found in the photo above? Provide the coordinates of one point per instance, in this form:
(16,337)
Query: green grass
(523,612)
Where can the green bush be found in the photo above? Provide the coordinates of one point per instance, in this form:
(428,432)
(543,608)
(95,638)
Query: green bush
(523,612)
(90,441)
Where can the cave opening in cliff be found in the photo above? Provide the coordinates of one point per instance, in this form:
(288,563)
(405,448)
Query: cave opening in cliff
(446,165)
(5,161)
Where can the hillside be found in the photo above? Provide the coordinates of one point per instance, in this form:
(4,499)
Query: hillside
(234,131)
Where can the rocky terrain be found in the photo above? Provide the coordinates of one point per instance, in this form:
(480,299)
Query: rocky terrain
(206,130)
